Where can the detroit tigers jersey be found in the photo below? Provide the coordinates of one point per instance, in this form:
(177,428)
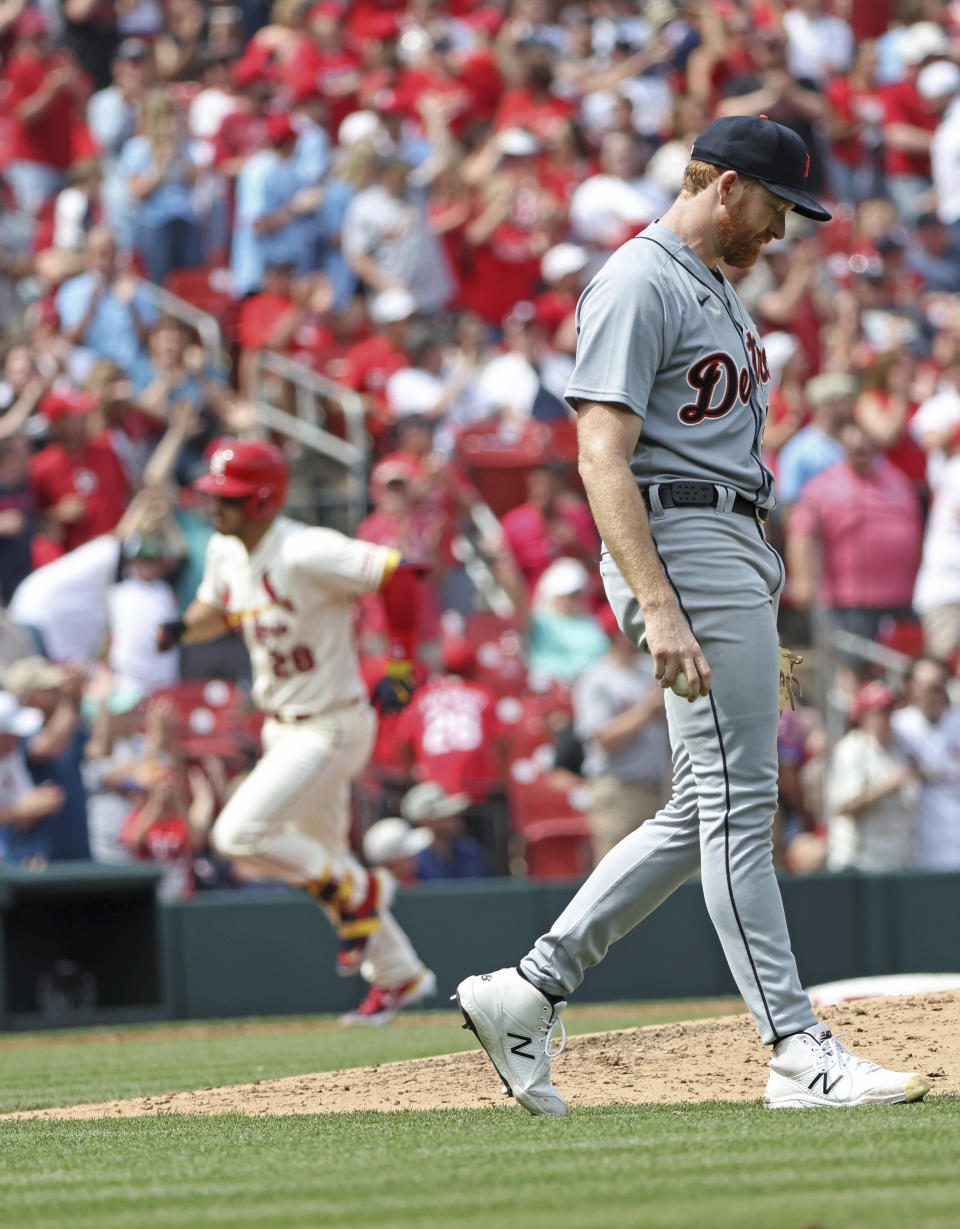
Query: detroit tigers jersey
(667,337)
(291,599)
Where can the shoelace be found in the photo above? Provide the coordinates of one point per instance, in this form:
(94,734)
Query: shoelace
(845,1057)
(548,1030)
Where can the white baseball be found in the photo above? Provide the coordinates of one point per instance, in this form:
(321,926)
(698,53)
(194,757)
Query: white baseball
(680,686)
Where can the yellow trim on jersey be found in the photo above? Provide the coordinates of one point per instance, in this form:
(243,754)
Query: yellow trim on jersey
(394,560)
(360,928)
(235,619)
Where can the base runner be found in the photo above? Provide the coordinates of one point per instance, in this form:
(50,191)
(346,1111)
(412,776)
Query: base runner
(670,388)
(288,587)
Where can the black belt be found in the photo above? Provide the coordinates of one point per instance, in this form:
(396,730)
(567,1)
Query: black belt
(701,495)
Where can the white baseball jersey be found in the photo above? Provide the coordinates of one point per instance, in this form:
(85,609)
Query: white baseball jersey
(291,598)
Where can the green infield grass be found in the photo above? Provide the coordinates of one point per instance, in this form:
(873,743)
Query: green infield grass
(703,1167)
(730,1165)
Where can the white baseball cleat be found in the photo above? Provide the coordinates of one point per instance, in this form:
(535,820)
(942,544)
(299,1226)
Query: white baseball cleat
(382,1003)
(814,1069)
(515,1023)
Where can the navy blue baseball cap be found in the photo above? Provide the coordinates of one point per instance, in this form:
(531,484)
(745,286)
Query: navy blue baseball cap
(766,151)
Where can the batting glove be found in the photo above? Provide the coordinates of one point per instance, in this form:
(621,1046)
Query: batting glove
(170,634)
(395,689)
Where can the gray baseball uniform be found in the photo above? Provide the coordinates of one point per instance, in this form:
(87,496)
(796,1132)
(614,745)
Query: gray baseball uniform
(667,337)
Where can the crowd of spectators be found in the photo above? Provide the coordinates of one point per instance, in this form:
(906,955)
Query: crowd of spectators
(406,197)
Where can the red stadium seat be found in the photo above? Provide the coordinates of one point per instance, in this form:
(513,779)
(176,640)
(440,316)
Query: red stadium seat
(499,661)
(559,848)
(532,796)
(208,711)
(208,290)
(902,635)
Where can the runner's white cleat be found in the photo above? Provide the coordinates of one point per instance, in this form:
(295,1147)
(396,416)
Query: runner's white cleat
(814,1069)
(515,1023)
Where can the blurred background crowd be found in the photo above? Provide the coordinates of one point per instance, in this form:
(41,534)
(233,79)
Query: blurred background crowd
(362,229)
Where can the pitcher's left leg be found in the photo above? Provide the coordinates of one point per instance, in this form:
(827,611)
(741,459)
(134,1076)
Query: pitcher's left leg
(730,737)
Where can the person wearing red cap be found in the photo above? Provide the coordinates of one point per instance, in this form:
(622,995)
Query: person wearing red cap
(46,93)
(329,64)
(872,790)
(289,589)
(78,482)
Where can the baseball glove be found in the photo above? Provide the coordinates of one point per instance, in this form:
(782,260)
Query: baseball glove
(790,688)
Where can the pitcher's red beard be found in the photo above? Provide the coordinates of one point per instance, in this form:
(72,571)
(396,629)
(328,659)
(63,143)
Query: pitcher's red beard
(739,246)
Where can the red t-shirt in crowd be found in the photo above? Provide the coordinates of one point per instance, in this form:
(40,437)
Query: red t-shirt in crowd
(552,308)
(368,365)
(49,137)
(241,134)
(850,104)
(166,842)
(453,727)
(334,74)
(904,453)
(903,104)
(261,314)
(857,521)
(533,542)
(95,473)
(519,109)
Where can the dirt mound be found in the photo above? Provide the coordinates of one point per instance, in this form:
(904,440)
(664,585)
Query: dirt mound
(699,1060)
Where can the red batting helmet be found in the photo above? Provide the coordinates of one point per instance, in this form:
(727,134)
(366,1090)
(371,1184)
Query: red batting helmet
(248,468)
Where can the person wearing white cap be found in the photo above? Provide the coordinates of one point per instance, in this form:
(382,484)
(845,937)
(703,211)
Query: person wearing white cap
(817,446)
(563,271)
(391,306)
(388,241)
(393,844)
(563,637)
(22,803)
(450,853)
(54,751)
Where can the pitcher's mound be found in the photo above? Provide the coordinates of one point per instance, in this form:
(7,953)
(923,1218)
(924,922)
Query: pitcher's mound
(700,1060)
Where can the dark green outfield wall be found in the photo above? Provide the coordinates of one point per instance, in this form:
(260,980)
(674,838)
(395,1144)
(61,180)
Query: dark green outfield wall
(271,952)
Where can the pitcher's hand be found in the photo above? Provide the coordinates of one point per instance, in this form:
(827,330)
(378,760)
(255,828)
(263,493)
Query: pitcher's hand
(675,651)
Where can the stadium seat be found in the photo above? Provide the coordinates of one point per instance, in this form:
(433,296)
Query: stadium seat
(901,635)
(207,711)
(532,797)
(499,653)
(558,848)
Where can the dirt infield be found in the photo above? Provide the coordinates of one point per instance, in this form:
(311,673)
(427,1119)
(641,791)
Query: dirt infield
(700,1060)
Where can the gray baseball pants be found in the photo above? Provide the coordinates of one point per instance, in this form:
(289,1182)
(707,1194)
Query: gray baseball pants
(721,811)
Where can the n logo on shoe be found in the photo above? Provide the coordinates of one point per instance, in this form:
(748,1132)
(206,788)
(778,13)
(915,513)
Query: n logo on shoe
(827,1088)
(521,1042)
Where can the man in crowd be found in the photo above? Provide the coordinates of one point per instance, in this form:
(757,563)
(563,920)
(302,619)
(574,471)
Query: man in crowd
(850,516)
(619,716)
(928,733)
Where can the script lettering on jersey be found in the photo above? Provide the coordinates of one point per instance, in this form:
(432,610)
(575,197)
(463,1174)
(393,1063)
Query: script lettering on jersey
(273,595)
(719,384)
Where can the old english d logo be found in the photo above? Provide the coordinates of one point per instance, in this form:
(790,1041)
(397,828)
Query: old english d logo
(521,1042)
(806,167)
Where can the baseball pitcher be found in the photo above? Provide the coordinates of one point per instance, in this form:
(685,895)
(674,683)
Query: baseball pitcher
(670,390)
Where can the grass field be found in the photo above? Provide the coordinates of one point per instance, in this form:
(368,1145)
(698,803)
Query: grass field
(710,1167)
